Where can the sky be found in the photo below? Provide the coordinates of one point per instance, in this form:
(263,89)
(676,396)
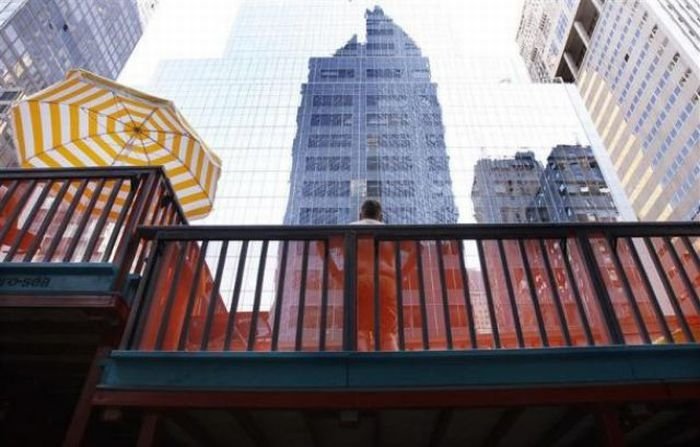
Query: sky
(179,31)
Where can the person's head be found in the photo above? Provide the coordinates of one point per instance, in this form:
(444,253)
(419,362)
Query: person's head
(371,209)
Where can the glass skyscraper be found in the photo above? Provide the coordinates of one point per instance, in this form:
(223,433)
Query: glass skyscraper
(370,126)
(42,39)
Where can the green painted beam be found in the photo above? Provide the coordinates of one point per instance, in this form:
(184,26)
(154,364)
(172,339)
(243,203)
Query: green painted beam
(626,365)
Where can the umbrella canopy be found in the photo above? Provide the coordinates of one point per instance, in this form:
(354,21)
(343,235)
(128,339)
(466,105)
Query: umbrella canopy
(88,121)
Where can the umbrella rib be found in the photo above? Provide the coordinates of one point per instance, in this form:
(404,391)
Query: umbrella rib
(183,164)
(129,142)
(148,117)
(121,103)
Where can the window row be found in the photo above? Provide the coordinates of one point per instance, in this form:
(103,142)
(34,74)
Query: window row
(326,189)
(324,216)
(332,100)
(389,163)
(380,46)
(332,140)
(392,140)
(331,119)
(327,163)
(380,32)
(391,188)
(372,100)
(388,119)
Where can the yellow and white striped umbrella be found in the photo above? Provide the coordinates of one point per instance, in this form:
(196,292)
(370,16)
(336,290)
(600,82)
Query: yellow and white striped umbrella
(88,120)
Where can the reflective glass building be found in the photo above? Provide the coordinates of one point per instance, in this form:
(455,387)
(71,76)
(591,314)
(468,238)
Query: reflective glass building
(370,126)
(41,40)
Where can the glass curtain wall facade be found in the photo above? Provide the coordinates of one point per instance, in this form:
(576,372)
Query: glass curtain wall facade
(42,39)
(254,106)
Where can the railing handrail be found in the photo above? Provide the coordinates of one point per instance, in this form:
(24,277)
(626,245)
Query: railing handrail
(410,232)
(92,172)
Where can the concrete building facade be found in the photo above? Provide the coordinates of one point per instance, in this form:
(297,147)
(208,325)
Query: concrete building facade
(554,37)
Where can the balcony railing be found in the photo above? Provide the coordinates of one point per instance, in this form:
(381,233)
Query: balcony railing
(54,218)
(415,288)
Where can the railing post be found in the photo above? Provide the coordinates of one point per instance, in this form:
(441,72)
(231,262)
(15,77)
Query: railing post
(142,296)
(350,297)
(130,241)
(606,307)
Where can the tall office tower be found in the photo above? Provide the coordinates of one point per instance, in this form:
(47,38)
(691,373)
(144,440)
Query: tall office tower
(42,39)
(641,84)
(571,188)
(370,126)
(554,37)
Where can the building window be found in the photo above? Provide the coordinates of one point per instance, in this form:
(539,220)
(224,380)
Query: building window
(333,164)
(326,189)
(437,164)
(330,141)
(386,100)
(430,100)
(435,140)
(332,100)
(432,119)
(380,46)
(380,32)
(399,188)
(374,188)
(390,163)
(393,140)
(384,73)
(341,73)
(331,119)
(324,216)
(420,73)
(387,119)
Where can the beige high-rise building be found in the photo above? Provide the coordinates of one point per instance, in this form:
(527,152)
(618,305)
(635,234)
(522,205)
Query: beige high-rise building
(639,80)
(554,36)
